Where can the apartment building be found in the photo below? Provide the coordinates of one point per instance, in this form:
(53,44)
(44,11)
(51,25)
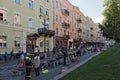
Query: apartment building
(21,23)
(72,27)
(76,26)
(62,23)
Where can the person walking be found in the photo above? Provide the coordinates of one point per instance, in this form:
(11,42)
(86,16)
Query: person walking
(12,54)
(64,51)
(21,62)
(54,50)
(5,56)
(36,62)
(28,66)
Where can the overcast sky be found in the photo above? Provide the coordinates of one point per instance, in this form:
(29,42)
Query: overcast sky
(91,8)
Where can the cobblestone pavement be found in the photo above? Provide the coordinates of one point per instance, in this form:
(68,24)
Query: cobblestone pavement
(6,69)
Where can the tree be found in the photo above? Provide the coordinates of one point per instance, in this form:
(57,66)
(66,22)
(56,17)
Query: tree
(110,26)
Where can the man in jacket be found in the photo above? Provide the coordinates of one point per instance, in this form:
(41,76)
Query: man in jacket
(37,64)
(28,65)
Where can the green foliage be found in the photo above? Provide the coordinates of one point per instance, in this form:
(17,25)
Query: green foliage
(111,23)
(105,66)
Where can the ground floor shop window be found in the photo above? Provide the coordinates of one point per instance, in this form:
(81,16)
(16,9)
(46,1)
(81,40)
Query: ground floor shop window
(3,41)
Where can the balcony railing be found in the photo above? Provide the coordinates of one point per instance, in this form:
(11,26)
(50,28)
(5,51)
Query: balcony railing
(79,20)
(65,25)
(66,36)
(65,12)
(46,32)
(79,30)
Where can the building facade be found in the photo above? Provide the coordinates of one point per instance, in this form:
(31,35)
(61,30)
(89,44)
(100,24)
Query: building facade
(72,27)
(62,23)
(20,25)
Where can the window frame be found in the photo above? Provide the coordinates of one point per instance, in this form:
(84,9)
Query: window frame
(31,22)
(31,4)
(4,14)
(2,43)
(17,42)
(41,9)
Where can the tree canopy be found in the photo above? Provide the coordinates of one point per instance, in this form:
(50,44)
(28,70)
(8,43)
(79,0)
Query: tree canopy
(110,26)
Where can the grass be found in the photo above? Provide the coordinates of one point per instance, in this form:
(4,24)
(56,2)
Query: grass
(105,66)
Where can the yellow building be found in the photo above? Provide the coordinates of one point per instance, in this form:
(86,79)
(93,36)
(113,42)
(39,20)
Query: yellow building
(20,25)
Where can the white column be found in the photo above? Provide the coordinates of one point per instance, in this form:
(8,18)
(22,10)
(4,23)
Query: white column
(24,41)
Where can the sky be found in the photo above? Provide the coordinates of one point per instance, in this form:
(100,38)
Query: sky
(91,8)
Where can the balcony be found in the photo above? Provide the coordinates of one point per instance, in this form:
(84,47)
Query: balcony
(79,30)
(79,20)
(66,36)
(65,25)
(46,32)
(65,12)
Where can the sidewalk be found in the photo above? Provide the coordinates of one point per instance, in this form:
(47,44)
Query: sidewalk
(74,67)
(54,72)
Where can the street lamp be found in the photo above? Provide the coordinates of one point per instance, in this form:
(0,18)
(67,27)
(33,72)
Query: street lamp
(44,30)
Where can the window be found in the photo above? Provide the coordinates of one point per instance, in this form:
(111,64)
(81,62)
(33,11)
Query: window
(16,18)
(41,43)
(3,41)
(41,9)
(47,43)
(17,1)
(47,0)
(47,12)
(56,17)
(56,30)
(31,5)
(41,24)
(31,22)
(3,15)
(47,26)
(17,42)
(56,4)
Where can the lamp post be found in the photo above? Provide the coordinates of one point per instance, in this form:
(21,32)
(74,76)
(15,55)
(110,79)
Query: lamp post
(44,30)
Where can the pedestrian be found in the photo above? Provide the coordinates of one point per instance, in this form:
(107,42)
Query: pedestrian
(54,50)
(36,63)
(19,53)
(64,51)
(5,56)
(0,57)
(21,62)
(48,52)
(11,54)
(28,66)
